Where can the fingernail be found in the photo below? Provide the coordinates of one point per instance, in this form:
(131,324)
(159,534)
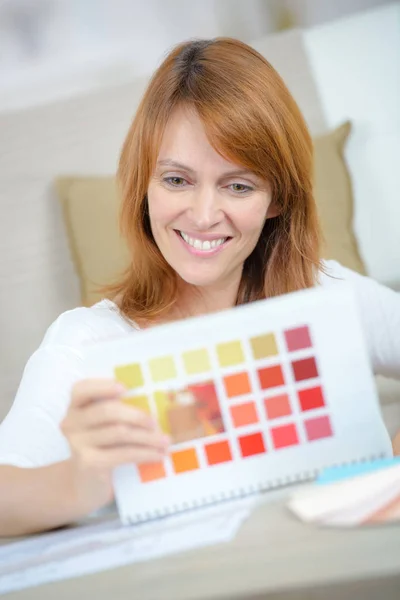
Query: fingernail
(166,440)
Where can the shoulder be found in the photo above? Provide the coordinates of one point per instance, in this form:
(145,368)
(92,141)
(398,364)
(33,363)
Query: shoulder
(333,273)
(369,291)
(80,326)
(379,309)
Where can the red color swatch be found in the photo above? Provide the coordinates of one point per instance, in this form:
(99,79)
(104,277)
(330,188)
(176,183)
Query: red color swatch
(151,471)
(318,428)
(237,384)
(185,460)
(277,406)
(244,414)
(271,377)
(284,436)
(305,369)
(218,452)
(311,398)
(252,444)
(297,339)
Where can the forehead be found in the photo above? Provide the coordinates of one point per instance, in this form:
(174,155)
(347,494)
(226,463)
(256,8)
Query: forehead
(185,140)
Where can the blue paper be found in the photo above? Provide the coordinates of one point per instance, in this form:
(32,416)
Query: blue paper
(334,474)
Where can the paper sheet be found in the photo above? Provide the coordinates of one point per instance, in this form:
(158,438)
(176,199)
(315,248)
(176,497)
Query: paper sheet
(371,495)
(264,394)
(91,548)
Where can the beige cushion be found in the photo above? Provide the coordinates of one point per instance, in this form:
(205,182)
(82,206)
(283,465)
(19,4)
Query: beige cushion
(90,206)
(91,214)
(334,198)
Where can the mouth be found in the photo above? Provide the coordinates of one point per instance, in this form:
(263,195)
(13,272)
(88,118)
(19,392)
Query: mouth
(198,246)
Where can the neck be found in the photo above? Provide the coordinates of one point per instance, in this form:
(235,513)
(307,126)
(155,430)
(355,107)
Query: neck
(194,301)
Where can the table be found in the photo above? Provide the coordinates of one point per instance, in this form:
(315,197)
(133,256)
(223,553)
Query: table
(274,556)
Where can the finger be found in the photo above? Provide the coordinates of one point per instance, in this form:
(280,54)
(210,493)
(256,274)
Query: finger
(87,390)
(123,435)
(112,411)
(113,457)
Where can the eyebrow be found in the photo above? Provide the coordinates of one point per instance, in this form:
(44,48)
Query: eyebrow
(168,162)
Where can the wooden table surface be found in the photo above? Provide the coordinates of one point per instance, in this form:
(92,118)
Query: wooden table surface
(273,556)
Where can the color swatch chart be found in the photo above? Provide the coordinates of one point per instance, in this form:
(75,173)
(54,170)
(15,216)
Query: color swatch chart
(242,398)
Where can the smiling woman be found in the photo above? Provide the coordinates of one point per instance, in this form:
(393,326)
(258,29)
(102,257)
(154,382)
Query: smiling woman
(222,154)
(218,210)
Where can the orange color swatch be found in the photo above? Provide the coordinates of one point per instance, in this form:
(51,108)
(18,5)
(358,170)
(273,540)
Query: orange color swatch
(237,384)
(151,471)
(185,460)
(244,414)
(218,452)
(271,377)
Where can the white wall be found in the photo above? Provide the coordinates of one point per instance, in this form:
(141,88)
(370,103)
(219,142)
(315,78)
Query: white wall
(52,49)
(77,45)
(307,13)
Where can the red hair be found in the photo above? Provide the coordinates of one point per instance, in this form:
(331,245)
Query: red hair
(251,119)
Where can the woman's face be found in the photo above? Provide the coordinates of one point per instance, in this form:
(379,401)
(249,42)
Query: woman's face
(206,213)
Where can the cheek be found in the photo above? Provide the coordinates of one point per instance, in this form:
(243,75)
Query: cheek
(160,209)
(250,218)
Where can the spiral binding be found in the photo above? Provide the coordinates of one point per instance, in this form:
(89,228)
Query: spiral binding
(236,494)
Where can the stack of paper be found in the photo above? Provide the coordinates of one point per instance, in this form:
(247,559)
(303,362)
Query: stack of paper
(354,495)
(96,547)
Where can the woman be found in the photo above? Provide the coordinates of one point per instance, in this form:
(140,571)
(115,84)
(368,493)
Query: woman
(218,210)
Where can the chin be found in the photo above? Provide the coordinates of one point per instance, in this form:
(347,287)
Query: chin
(199,279)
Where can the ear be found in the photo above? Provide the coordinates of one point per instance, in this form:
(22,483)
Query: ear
(273,210)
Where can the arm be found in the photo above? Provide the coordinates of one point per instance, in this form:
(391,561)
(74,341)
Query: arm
(41,498)
(63,436)
(102,433)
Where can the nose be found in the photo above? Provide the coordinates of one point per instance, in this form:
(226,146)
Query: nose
(205,208)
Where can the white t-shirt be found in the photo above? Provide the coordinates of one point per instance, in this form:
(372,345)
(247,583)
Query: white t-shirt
(30,435)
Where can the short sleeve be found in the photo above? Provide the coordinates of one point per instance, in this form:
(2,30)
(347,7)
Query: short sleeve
(30,435)
(379,308)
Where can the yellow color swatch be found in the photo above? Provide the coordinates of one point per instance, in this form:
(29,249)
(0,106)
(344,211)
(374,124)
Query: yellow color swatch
(140,402)
(264,346)
(162,368)
(230,353)
(129,375)
(163,404)
(196,361)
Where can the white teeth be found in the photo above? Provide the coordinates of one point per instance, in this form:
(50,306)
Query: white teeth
(199,244)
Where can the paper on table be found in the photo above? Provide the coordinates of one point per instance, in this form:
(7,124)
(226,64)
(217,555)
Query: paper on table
(91,548)
(351,501)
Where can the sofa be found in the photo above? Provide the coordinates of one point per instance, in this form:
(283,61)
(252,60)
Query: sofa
(57,190)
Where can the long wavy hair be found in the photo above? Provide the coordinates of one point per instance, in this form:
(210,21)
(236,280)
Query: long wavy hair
(251,119)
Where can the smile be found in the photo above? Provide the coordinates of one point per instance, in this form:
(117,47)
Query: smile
(197,246)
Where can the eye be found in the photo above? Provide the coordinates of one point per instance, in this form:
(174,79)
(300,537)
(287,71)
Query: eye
(175,181)
(240,188)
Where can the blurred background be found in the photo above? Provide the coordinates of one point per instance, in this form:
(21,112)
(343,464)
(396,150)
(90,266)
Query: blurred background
(51,48)
(71,75)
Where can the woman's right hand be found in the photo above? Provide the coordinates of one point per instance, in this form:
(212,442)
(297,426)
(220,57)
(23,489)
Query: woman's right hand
(104,433)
